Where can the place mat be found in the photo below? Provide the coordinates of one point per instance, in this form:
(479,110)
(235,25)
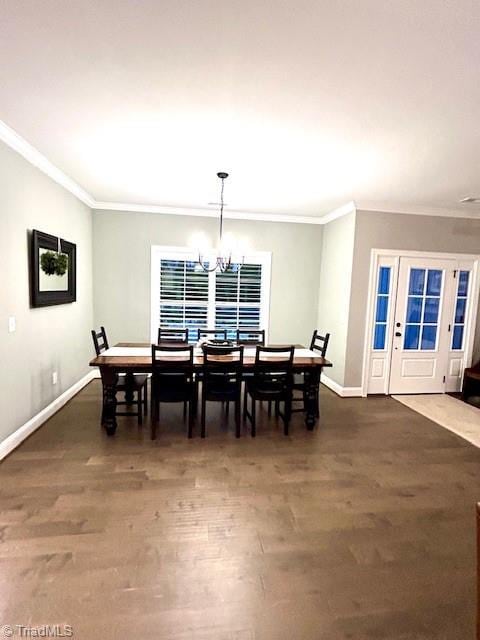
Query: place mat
(249,352)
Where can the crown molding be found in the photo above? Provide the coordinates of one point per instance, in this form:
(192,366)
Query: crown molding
(466,211)
(13,140)
(344,210)
(25,149)
(205,213)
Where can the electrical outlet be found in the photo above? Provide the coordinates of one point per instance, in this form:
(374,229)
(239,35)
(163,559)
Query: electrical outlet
(54,377)
(12,324)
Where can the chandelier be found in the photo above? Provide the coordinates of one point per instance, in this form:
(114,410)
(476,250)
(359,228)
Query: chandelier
(220,259)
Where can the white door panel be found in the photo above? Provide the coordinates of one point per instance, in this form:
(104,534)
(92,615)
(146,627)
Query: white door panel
(421,343)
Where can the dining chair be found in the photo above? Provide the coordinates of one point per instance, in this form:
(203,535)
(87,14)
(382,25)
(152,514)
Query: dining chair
(247,336)
(215,334)
(137,383)
(173,380)
(318,344)
(222,380)
(272,380)
(173,336)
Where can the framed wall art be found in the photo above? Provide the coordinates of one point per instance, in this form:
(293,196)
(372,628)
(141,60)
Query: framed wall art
(53,270)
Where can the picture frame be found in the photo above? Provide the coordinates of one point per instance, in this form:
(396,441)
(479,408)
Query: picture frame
(53,270)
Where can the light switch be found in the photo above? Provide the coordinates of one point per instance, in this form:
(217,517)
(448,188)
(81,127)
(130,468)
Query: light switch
(12,325)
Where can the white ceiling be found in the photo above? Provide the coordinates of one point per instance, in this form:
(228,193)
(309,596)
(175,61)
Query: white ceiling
(307,103)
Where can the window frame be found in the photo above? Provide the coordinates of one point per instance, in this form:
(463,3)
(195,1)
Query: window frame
(162,252)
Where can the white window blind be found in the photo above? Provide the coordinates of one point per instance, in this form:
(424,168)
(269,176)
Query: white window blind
(183,295)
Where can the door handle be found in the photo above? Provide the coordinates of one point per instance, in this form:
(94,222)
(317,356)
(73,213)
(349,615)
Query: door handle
(398,334)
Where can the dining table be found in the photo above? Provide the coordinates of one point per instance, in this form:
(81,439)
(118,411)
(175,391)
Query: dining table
(129,358)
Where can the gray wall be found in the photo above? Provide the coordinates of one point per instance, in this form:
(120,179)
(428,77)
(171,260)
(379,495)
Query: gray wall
(334,290)
(122,243)
(398,231)
(51,338)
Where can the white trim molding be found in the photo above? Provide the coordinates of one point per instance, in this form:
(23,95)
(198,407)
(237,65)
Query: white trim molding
(12,441)
(467,210)
(206,213)
(343,392)
(16,142)
(25,149)
(344,210)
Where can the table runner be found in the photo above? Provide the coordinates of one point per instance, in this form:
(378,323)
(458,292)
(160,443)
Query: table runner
(145,352)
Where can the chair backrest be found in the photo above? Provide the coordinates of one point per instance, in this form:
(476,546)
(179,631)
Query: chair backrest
(273,370)
(251,336)
(222,365)
(172,360)
(216,334)
(320,343)
(100,341)
(170,335)
(172,373)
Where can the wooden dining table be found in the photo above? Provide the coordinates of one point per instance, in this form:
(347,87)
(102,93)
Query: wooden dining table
(129,358)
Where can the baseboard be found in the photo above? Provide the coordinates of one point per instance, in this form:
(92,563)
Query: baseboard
(343,392)
(12,441)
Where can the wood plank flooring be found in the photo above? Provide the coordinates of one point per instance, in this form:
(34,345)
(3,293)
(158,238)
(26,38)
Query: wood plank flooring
(362,529)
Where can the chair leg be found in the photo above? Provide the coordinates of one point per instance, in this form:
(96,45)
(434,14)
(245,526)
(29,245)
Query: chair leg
(227,408)
(196,388)
(204,407)
(140,407)
(154,416)
(269,408)
(238,402)
(287,416)
(245,399)
(184,410)
(191,417)
(254,426)
(145,398)
(277,408)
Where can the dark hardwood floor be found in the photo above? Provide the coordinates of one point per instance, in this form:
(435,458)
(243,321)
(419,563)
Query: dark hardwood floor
(364,528)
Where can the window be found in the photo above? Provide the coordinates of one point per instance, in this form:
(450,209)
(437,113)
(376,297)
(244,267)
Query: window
(183,295)
(423,307)
(381,309)
(460,311)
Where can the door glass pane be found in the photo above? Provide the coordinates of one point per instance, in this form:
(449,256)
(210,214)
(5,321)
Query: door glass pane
(429,337)
(463,283)
(382,307)
(384,280)
(414,309)
(417,282)
(434,282)
(460,310)
(423,309)
(430,313)
(412,333)
(457,337)
(379,336)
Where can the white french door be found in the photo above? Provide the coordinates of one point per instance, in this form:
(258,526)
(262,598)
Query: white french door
(422,319)
(422,323)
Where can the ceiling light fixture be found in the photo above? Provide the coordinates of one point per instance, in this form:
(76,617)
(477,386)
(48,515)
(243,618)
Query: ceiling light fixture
(221,257)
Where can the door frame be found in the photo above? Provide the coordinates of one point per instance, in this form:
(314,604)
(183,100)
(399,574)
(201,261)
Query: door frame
(395,255)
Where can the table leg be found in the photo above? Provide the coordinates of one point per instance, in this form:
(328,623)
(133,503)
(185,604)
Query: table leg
(312,380)
(129,379)
(109,381)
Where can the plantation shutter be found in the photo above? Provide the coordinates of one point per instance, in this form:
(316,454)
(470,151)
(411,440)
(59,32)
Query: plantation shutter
(186,296)
(183,296)
(238,299)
